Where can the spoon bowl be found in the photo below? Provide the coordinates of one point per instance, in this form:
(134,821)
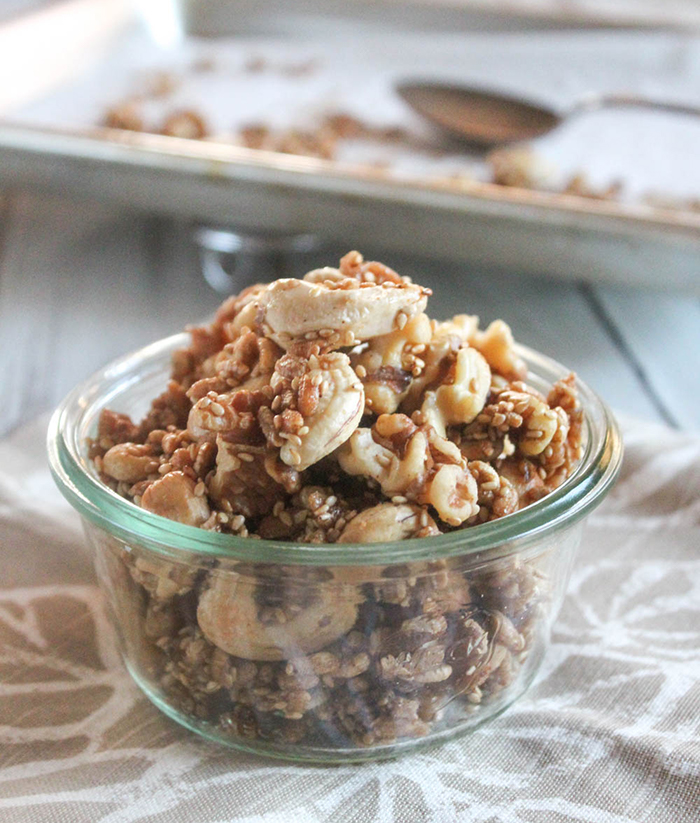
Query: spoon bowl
(481,117)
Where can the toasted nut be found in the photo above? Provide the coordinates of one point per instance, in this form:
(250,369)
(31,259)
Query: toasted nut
(388,522)
(463,394)
(292,310)
(228,616)
(388,365)
(130,462)
(173,497)
(498,347)
(330,413)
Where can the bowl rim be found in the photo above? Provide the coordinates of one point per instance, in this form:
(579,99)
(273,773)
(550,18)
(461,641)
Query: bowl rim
(576,497)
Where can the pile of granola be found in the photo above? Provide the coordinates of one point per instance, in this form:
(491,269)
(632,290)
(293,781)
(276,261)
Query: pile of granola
(331,409)
(308,405)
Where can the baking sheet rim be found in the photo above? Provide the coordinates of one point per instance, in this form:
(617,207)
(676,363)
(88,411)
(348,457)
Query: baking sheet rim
(211,160)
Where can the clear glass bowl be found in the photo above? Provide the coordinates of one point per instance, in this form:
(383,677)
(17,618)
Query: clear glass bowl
(326,652)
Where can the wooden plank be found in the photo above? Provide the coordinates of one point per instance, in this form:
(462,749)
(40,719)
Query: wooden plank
(79,285)
(663,332)
(25,319)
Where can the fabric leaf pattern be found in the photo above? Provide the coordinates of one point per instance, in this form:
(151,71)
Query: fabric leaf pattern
(609,732)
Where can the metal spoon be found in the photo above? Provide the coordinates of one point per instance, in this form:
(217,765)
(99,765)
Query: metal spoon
(488,118)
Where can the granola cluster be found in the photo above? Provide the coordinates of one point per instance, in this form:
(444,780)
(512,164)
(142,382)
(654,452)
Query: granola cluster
(331,409)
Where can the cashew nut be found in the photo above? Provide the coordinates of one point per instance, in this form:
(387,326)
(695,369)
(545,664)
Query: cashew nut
(389,522)
(331,401)
(539,421)
(228,616)
(498,347)
(173,497)
(130,462)
(463,394)
(388,364)
(446,339)
(337,313)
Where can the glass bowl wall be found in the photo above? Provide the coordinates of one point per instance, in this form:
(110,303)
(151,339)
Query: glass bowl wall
(326,652)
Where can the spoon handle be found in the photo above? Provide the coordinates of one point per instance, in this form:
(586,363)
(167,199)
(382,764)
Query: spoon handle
(595,102)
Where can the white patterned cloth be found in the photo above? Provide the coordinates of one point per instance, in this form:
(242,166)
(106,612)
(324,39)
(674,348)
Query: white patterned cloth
(609,732)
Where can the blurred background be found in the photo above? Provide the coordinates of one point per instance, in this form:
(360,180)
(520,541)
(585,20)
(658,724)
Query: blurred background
(157,155)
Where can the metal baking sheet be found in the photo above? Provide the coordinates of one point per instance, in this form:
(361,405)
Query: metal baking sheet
(61,67)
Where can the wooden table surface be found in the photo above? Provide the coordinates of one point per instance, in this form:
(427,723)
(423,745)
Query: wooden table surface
(81,283)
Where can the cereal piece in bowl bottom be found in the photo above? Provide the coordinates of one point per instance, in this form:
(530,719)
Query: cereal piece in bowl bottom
(341,529)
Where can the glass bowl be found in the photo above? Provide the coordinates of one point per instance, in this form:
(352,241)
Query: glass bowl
(337,652)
